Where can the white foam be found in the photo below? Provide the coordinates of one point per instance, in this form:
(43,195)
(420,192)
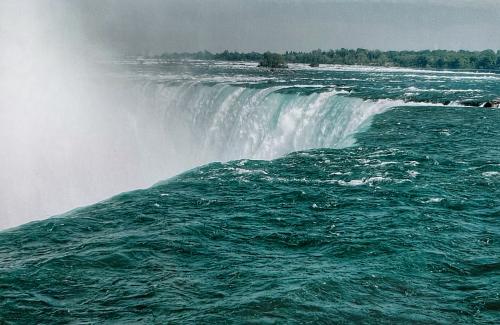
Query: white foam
(413,173)
(364,181)
(434,200)
(491,174)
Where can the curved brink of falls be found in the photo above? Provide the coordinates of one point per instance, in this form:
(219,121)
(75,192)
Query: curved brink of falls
(225,122)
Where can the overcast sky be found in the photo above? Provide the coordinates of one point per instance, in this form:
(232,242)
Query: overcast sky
(279,25)
(155,26)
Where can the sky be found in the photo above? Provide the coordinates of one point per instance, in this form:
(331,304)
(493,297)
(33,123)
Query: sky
(156,26)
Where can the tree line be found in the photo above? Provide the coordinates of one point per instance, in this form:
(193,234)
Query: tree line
(437,59)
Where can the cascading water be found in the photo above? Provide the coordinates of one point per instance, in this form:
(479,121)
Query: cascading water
(107,144)
(74,136)
(223,122)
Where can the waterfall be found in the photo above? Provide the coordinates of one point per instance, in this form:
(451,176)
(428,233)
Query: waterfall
(108,136)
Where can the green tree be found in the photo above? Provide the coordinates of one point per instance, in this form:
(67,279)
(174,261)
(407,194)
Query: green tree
(487,60)
(422,61)
(272,60)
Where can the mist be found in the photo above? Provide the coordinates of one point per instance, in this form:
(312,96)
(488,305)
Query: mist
(71,132)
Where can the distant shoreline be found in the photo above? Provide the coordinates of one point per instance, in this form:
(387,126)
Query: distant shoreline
(486,60)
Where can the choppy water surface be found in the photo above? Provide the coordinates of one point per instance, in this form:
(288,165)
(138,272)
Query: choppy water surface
(376,203)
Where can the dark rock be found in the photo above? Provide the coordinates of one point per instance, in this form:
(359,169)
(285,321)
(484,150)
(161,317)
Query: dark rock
(492,104)
(471,103)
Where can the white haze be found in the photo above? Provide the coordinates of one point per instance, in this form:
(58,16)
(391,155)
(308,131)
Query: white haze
(67,130)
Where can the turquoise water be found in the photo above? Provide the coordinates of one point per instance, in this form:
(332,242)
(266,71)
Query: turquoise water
(331,196)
